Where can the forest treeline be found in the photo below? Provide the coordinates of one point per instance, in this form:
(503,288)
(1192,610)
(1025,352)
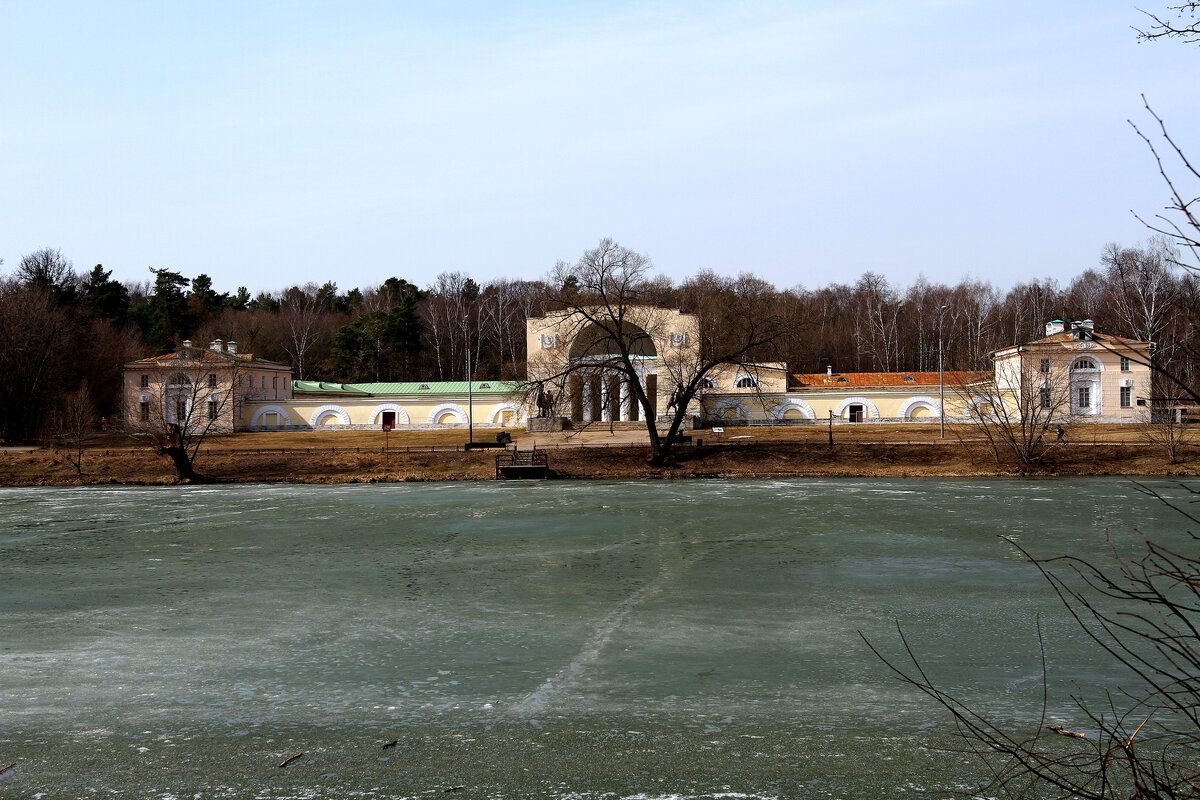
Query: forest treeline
(62,329)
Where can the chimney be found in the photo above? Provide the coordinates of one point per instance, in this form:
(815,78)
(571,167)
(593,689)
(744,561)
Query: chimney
(1054,326)
(216,344)
(187,342)
(829,370)
(1082,328)
(231,346)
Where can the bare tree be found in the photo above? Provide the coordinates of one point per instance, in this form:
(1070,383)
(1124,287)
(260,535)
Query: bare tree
(974,306)
(450,302)
(32,331)
(305,323)
(607,304)
(73,422)
(1164,427)
(1181,221)
(1028,306)
(1185,26)
(876,321)
(503,307)
(1142,741)
(1019,407)
(1144,286)
(47,269)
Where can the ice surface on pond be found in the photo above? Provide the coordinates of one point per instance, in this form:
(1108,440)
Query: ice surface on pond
(608,640)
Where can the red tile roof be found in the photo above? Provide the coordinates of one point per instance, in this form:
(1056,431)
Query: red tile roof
(1093,336)
(847,379)
(206,356)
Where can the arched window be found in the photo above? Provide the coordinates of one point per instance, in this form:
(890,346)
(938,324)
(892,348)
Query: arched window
(1083,363)
(746,382)
(706,383)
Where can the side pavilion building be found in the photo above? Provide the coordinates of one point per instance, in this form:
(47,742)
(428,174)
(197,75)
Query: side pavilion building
(248,393)
(1091,375)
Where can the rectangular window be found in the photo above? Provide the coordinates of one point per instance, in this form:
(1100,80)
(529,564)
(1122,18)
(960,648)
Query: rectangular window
(180,412)
(212,409)
(1124,364)
(1126,396)
(275,382)
(145,381)
(1044,366)
(1045,398)
(212,381)
(1085,397)
(264,381)
(144,411)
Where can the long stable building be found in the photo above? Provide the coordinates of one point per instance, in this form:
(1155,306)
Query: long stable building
(1107,378)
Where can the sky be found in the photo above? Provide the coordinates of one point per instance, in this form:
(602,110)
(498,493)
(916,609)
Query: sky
(268,144)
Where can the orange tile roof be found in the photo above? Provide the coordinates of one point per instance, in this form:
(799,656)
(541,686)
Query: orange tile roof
(845,379)
(1098,337)
(206,355)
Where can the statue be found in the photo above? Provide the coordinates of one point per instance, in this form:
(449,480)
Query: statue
(545,402)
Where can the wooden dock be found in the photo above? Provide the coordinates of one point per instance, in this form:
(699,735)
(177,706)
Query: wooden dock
(522,464)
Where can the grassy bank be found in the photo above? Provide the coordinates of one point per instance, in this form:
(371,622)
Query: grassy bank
(358,456)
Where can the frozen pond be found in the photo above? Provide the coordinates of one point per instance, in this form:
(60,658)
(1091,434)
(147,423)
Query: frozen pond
(559,640)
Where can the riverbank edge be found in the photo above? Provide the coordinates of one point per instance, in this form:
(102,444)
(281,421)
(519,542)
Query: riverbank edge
(765,461)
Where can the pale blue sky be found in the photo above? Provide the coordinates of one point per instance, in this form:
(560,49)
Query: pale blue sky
(273,143)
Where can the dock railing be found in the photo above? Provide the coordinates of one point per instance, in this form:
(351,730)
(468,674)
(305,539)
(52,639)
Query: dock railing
(512,462)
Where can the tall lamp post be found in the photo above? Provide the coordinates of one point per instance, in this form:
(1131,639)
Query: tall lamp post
(470,388)
(941,392)
(941,378)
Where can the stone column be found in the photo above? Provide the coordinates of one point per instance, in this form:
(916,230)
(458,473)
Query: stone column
(605,399)
(575,396)
(631,407)
(588,410)
(623,402)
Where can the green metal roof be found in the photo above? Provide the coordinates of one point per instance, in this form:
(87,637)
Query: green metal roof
(407,388)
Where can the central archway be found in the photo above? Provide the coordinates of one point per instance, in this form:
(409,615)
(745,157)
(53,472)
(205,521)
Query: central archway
(594,343)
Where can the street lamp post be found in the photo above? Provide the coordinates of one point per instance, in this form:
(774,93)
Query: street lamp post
(470,387)
(941,377)
(941,391)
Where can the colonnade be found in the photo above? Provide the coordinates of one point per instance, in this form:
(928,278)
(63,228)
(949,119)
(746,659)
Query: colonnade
(608,397)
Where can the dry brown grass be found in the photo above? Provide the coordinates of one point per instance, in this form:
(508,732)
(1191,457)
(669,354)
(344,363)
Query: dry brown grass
(357,456)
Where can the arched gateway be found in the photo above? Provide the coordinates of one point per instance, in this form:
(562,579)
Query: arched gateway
(583,361)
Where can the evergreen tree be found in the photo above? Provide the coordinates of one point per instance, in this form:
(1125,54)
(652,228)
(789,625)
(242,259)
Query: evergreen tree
(165,318)
(380,345)
(203,292)
(240,299)
(105,297)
